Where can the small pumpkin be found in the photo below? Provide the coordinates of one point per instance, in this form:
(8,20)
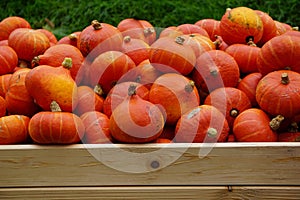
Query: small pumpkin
(9,24)
(253,125)
(211,26)
(204,123)
(70,39)
(55,127)
(175,94)
(191,29)
(239,24)
(277,93)
(96,128)
(2,107)
(136,120)
(28,43)
(8,60)
(14,129)
(170,31)
(4,82)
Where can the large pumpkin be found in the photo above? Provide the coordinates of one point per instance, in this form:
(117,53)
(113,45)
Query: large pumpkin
(253,125)
(14,129)
(277,93)
(176,94)
(8,60)
(28,43)
(204,123)
(50,35)
(240,24)
(9,24)
(281,52)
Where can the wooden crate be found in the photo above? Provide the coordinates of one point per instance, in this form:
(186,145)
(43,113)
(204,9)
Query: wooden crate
(171,171)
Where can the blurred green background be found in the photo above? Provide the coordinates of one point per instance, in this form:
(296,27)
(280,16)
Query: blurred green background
(70,16)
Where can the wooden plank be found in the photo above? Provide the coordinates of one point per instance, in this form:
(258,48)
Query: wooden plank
(154,192)
(171,164)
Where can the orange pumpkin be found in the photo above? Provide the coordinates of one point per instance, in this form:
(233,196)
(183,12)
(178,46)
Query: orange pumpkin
(170,31)
(70,39)
(8,60)
(4,82)
(240,24)
(14,129)
(52,38)
(270,29)
(9,24)
(211,26)
(191,29)
(28,43)
(2,107)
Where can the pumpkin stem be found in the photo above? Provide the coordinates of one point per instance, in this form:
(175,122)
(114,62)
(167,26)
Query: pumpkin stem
(148,31)
(295,28)
(179,40)
(234,112)
(67,63)
(54,107)
(98,90)
(73,36)
(275,122)
(285,78)
(132,89)
(127,39)
(138,79)
(96,25)
(293,128)
(190,86)
(212,132)
(214,72)
(251,42)
(35,61)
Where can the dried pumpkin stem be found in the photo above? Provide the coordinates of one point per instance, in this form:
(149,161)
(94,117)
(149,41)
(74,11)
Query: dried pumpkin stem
(234,112)
(127,39)
(212,132)
(35,61)
(148,31)
(73,36)
(275,122)
(285,78)
(54,107)
(190,86)
(98,90)
(132,89)
(96,25)
(67,63)
(179,40)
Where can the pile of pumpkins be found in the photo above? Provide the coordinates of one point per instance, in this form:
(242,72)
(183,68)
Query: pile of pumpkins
(230,80)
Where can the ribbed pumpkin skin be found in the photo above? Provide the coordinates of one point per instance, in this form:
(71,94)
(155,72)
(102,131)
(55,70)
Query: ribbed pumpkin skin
(46,84)
(230,101)
(96,128)
(136,121)
(191,29)
(168,55)
(93,41)
(28,43)
(9,24)
(119,93)
(55,55)
(276,98)
(194,125)
(252,125)
(14,129)
(2,107)
(215,69)
(240,23)
(245,56)
(19,101)
(52,38)
(108,68)
(8,60)
(270,29)
(176,94)
(248,85)
(4,82)
(211,26)
(56,128)
(281,52)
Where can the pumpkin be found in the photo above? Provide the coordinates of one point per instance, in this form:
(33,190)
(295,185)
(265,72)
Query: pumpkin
(199,43)
(55,127)
(245,55)
(119,93)
(279,53)
(292,33)
(8,60)
(138,29)
(136,120)
(289,137)
(270,29)
(28,43)
(52,38)
(172,55)
(215,69)
(248,85)
(175,94)
(14,129)
(3,42)
(211,26)
(136,49)
(253,125)
(240,24)
(56,54)
(191,29)
(170,31)
(18,100)
(4,82)
(70,39)
(203,123)
(46,84)
(9,24)
(108,68)
(162,140)
(220,43)
(98,38)
(2,107)
(230,101)
(88,100)
(96,128)
(277,93)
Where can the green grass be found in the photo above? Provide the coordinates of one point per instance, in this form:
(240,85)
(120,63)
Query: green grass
(70,16)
